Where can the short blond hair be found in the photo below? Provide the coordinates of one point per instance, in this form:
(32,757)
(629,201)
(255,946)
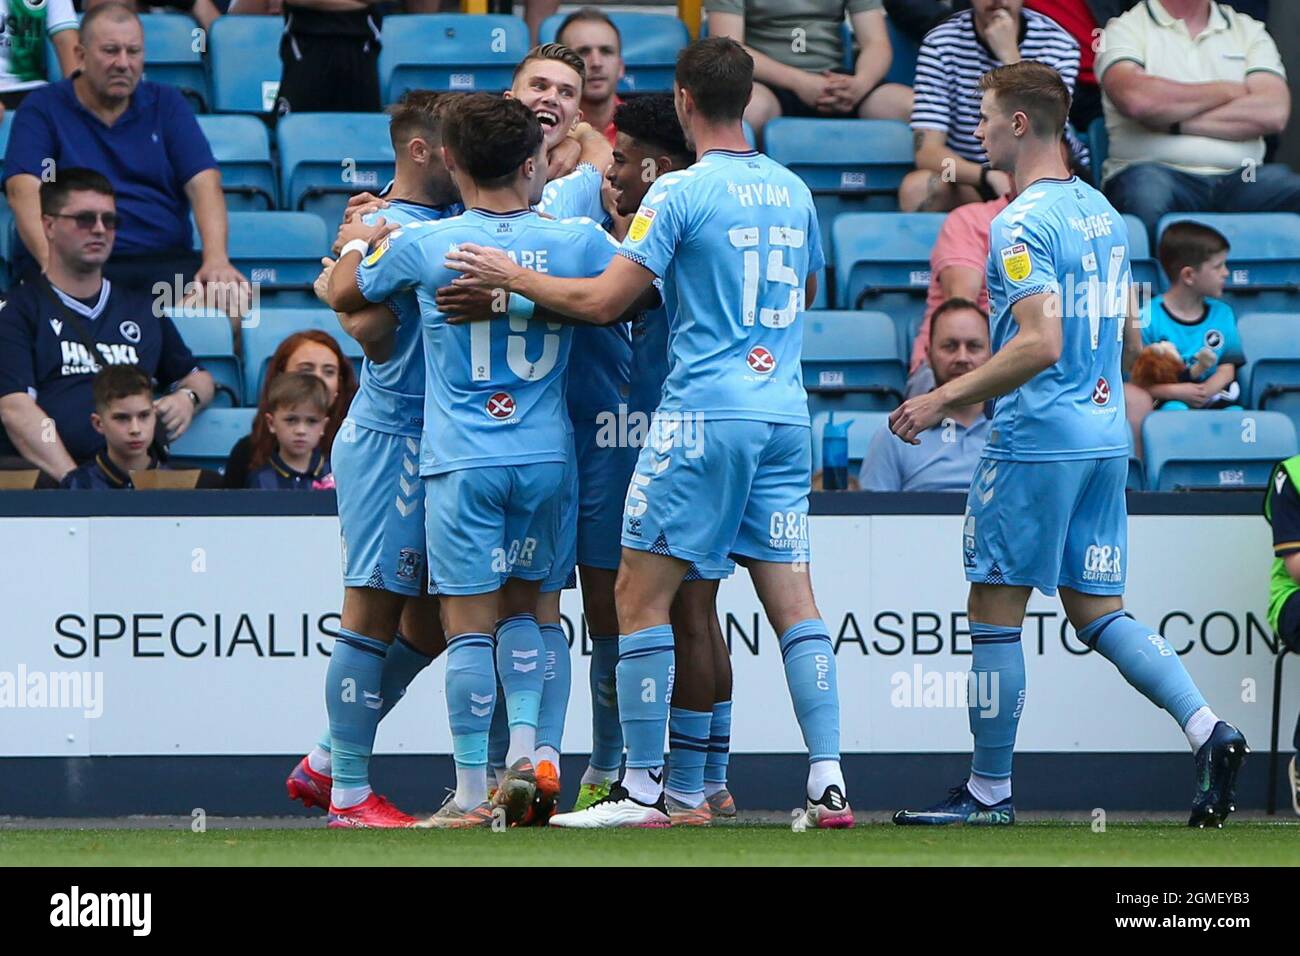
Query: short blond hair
(1034,89)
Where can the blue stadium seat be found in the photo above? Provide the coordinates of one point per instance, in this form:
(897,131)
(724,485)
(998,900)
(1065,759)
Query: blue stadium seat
(1145,268)
(208,440)
(281,252)
(851,165)
(244,56)
(274,326)
(209,337)
(326,157)
(449,52)
(1271,376)
(902,69)
(882,262)
(243,151)
(8,229)
(173,54)
(1137,479)
(850,362)
(651,42)
(865,425)
(1098,146)
(1264,261)
(1218,449)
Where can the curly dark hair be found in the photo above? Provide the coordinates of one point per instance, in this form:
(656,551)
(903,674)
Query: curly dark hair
(651,120)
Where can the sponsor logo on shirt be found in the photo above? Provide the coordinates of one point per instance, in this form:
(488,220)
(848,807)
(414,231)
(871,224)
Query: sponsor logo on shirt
(501,406)
(761,360)
(641,224)
(1016,262)
(1101,392)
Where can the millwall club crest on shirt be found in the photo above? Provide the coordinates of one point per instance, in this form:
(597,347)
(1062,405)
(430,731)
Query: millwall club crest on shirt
(645,217)
(130,331)
(1101,393)
(761,360)
(1214,339)
(501,406)
(1016,263)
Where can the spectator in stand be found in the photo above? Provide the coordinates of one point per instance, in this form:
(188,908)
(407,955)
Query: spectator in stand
(143,137)
(1191,90)
(297,413)
(125,416)
(23,64)
(330,57)
(592,35)
(798,56)
(1192,318)
(58,329)
(1282,510)
(1080,20)
(950,161)
(310,351)
(946,456)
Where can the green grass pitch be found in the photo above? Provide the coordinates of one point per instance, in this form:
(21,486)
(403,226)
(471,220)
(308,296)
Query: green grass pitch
(1037,844)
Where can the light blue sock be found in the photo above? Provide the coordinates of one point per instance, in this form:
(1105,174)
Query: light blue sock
(522,668)
(810,674)
(555,687)
(499,735)
(1147,662)
(994,703)
(645,685)
(715,765)
(400,667)
(688,749)
(353,701)
(606,731)
(471,692)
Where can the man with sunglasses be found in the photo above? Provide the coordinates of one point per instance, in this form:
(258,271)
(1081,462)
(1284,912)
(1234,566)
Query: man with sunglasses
(51,321)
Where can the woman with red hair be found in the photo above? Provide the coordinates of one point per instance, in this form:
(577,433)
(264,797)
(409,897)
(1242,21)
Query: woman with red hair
(315,353)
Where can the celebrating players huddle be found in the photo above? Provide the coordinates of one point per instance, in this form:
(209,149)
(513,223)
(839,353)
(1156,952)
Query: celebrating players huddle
(507,321)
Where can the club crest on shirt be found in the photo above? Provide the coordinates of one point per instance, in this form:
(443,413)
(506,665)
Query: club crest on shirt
(641,224)
(130,331)
(1016,262)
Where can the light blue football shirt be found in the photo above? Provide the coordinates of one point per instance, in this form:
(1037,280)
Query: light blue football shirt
(735,236)
(1062,236)
(1215,330)
(390,397)
(599,367)
(494,391)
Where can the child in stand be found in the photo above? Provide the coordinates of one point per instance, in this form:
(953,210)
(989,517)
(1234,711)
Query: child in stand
(124,415)
(1192,318)
(297,412)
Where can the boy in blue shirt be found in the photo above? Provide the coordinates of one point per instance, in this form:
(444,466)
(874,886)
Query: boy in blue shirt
(1192,318)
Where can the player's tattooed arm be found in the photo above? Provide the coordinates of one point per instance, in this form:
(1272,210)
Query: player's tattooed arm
(602,300)
(1035,346)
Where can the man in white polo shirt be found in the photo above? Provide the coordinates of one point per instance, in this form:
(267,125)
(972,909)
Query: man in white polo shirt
(1191,88)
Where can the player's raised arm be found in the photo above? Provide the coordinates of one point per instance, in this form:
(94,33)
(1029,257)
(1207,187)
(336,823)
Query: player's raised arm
(1036,346)
(602,300)
(343,292)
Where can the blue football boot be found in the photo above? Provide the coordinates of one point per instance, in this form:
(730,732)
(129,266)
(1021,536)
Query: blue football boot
(961,807)
(1217,763)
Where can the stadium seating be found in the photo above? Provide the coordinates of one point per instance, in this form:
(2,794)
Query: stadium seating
(850,362)
(449,52)
(326,157)
(1271,376)
(1214,450)
(8,231)
(1264,261)
(882,262)
(273,327)
(651,42)
(902,69)
(173,54)
(244,56)
(865,425)
(280,252)
(1098,147)
(209,337)
(851,165)
(243,151)
(208,440)
(1145,269)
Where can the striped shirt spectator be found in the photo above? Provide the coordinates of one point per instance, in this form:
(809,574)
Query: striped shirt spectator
(946,102)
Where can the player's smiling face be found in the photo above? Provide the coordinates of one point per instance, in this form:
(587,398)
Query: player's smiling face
(631,174)
(553,91)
